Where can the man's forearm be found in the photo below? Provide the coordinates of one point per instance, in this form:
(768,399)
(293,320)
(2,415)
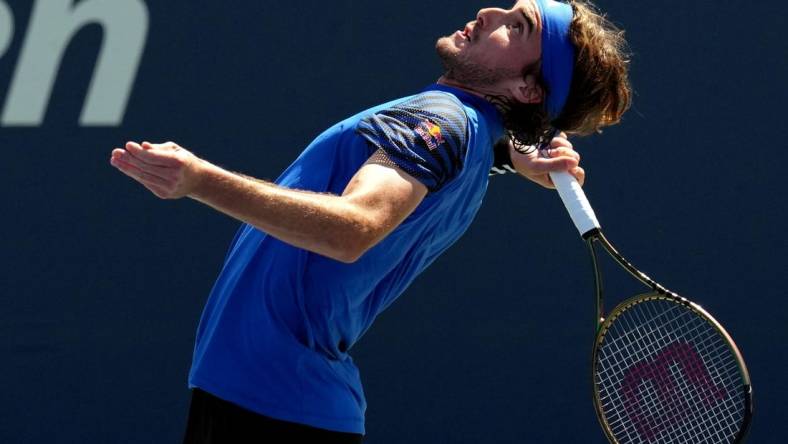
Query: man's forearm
(323,223)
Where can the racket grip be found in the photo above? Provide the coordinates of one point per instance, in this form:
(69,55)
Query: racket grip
(576,202)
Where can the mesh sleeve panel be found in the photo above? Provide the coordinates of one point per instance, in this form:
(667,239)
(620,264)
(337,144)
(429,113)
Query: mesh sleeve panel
(425,136)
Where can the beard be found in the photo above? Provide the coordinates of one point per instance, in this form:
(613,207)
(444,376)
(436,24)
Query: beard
(457,66)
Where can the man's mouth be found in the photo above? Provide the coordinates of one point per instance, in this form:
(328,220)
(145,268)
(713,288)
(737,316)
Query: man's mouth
(467,32)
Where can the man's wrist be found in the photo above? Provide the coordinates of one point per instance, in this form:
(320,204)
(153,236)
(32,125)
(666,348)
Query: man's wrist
(204,174)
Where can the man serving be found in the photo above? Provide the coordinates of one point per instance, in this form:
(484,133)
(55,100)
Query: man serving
(368,206)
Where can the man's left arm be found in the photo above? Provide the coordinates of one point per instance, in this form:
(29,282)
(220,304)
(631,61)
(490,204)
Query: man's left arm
(377,199)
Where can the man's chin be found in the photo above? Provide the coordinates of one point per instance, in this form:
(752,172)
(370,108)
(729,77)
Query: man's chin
(446,47)
(447,52)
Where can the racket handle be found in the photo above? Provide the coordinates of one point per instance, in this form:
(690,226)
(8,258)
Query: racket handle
(576,202)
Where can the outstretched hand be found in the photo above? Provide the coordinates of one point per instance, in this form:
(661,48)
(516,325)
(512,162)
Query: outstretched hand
(536,165)
(166,169)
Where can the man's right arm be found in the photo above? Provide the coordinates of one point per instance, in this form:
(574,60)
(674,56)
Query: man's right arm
(536,165)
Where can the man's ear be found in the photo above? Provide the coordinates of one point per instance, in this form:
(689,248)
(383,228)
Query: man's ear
(527,90)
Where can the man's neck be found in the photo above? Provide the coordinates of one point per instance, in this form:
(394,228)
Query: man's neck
(443,80)
(493,97)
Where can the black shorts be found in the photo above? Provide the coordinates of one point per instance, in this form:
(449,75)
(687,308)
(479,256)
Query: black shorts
(215,421)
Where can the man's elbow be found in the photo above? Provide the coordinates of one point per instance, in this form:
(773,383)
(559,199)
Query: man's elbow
(347,257)
(354,246)
(351,252)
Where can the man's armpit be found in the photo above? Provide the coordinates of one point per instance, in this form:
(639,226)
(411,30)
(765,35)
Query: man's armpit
(380,157)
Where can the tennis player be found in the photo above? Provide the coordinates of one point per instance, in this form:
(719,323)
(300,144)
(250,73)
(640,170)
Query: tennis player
(368,206)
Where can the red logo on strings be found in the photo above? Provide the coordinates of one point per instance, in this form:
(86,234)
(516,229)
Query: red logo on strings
(674,403)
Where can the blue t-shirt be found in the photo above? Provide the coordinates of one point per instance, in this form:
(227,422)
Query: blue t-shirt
(276,330)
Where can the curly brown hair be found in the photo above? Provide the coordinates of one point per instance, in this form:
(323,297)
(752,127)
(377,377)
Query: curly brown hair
(600,92)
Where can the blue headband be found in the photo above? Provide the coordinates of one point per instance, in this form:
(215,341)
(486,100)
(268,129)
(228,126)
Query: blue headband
(558,53)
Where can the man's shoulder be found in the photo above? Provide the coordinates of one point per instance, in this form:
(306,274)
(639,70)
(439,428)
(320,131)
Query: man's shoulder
(426,135)
(433,102)
(428,113)
(431,108)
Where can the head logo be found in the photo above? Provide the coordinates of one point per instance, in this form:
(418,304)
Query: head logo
(430,133)
(53,24)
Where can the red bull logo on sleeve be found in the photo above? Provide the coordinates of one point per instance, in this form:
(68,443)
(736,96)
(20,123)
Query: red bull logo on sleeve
(430,133)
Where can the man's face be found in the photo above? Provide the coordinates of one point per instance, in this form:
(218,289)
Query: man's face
(495,47)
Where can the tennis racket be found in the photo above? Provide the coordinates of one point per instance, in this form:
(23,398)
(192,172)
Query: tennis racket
(664,370)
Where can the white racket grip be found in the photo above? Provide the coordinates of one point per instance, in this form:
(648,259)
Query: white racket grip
(575,201)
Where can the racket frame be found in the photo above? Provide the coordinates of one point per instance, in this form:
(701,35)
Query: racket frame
(658,292)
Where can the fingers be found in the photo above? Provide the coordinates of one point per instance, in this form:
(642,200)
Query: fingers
(125,156)
(545,180)
(562,152)
(548,164)
(166,146)
(151,155)
(166,169)
(557,157)
(560,141)
(561,147)
(580,175)
(137,173)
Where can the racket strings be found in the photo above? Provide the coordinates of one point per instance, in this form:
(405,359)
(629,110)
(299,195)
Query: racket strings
(675,375)
(653,397)
(664,374)
(691,432)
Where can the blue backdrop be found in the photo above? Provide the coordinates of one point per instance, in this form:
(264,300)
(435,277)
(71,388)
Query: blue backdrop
(102,284)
